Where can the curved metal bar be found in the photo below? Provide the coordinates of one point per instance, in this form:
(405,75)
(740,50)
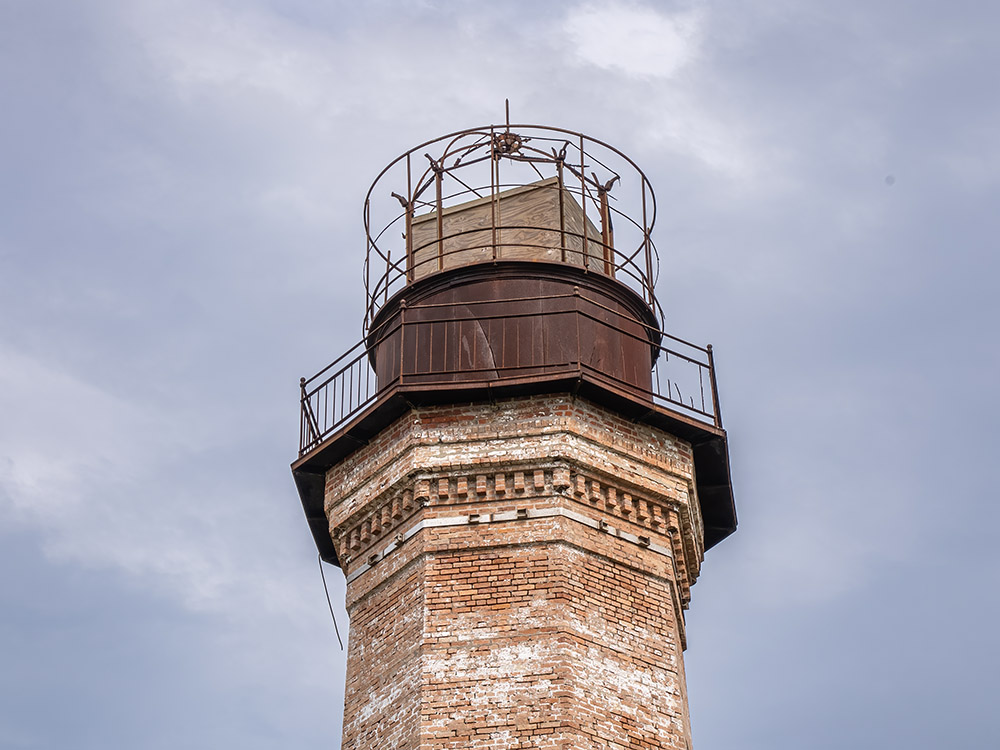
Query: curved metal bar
(523,144)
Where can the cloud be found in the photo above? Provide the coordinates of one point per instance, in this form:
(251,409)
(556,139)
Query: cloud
(115,485)
(207,48)
(59,434)
(76,465)
(634,39)
(181,240)
(661,67)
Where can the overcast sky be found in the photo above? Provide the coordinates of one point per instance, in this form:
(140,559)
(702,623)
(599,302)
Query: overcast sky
(181,239)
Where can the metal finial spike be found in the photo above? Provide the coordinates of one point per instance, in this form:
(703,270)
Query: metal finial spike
(506,104)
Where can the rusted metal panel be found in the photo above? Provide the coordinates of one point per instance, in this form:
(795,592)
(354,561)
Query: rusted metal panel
(514,321)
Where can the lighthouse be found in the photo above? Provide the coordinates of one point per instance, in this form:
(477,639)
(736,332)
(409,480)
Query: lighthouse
(517,468)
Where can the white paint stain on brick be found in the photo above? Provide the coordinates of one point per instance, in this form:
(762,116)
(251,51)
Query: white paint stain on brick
(540,632)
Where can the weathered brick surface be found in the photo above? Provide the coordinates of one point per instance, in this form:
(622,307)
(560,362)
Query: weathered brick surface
(387,633)
(516,579)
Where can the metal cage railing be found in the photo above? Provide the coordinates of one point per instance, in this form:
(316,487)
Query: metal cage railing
(602,222)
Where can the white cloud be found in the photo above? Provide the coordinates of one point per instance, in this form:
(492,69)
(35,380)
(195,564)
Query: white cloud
(634,39)
(208,49)
(657,65)
(59,432)
(110,484)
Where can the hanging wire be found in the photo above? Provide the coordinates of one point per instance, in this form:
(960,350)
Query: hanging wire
(336,629)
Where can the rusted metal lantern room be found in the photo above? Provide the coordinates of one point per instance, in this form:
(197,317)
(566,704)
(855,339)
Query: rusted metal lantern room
(504,261)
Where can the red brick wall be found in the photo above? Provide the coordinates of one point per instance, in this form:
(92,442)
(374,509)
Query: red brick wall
(516,578)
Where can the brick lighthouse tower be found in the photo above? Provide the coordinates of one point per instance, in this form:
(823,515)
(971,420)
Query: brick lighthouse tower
(516,468)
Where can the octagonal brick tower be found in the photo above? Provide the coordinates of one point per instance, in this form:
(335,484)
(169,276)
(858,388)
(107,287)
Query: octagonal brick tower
(516,468)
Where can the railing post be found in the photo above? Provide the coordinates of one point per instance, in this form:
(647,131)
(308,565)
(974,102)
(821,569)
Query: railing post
(583,204)
(410,260)
(440,217)
(302,416)
(494,188)
(606,230)
(562,212)
(715,388)
(308,417)
(645,241)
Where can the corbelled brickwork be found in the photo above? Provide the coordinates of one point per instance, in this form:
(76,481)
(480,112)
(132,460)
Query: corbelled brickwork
(516,578)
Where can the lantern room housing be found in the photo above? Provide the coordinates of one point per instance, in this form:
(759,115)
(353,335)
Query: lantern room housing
(504,261)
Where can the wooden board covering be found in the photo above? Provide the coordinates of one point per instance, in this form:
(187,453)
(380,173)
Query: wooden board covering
(528,228)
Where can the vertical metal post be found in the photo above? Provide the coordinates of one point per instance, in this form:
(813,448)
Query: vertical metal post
(701,387)
(368,255)
(385,279)
(645,242)
(410,260)
(440,219)
(494,180)
(562,211)
(349,400)
(303,420)
(340,379)
(715,387)
(605,230)
(388,270)
(583,202)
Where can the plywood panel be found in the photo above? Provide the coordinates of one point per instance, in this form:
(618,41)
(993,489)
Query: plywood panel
(528,228)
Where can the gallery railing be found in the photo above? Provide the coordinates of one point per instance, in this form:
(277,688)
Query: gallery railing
(682,378)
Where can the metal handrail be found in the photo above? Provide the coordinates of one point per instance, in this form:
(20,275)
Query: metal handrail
(329,401)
